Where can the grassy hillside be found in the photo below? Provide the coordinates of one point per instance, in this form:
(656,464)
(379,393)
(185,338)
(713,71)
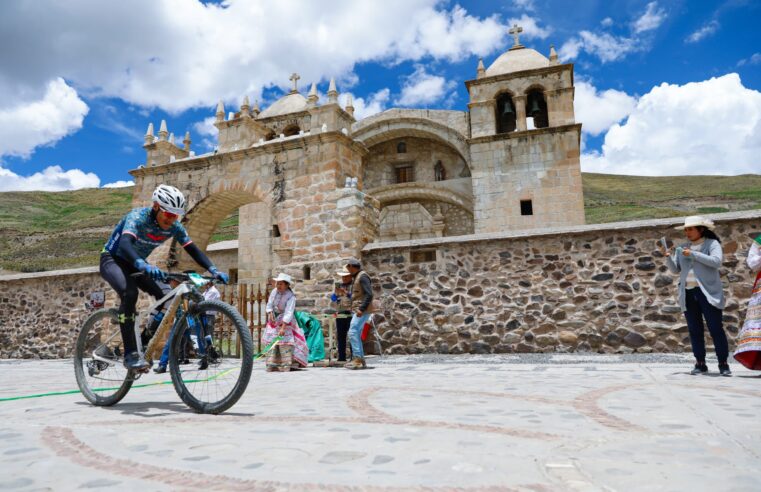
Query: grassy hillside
(48,231)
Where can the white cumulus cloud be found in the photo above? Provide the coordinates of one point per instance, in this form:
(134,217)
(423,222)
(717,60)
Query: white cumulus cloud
(703,32)
(651,19)
(27,125)
(599,110)
(52,178)
(178,54)
(374,103)
(605,46)
(422,88)
(119,184)
(530,26)
(708,127)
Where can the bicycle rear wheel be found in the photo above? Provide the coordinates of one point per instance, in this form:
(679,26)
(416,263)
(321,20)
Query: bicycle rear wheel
(214,375)
(99,360)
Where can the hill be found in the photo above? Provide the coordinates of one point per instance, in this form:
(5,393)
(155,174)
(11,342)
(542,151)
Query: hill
(47,231)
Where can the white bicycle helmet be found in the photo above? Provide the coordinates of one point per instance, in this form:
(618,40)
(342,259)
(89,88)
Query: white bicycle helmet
(170,199)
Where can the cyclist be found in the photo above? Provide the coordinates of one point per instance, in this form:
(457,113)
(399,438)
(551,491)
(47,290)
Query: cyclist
(133,239)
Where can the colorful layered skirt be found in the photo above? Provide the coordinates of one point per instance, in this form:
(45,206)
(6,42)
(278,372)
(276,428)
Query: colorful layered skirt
(748,352)
(293,336)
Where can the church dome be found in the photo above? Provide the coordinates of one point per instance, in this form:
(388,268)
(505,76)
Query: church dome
(290,103)
(517,59)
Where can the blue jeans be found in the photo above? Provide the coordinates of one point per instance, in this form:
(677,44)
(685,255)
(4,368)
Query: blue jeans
(355,334)
(197,330)
(698,308)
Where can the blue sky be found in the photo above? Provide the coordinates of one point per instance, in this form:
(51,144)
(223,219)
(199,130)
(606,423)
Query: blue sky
(663,87)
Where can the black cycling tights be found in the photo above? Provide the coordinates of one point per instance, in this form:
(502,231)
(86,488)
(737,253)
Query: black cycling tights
(116,272)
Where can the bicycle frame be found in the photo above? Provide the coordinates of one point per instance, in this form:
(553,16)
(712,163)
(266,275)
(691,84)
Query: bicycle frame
(176,296)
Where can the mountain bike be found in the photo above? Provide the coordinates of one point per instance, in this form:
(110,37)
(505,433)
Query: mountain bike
(210,349)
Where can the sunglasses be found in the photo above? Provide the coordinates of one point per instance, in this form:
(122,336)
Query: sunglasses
(169,215)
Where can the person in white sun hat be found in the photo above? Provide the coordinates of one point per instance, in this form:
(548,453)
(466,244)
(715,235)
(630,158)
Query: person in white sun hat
(701,294)
(291,352)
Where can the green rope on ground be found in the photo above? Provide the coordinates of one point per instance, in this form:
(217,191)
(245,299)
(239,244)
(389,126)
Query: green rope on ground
(158,383)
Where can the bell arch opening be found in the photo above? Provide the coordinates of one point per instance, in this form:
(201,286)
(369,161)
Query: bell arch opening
(505,113)
(536,108)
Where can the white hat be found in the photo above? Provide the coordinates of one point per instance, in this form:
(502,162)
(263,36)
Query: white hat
(285,278)
(695,221)
(344,272)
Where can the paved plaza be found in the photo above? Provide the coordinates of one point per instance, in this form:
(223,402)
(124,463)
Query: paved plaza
(470,423)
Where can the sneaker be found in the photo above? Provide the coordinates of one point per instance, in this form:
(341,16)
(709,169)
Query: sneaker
(724,370)
(203,364)
(159,369)
(356,363)
(699,369)
(135,362)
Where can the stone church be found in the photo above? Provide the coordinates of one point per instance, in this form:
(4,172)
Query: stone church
(313,185)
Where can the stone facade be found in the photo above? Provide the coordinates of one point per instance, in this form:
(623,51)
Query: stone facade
(511,162)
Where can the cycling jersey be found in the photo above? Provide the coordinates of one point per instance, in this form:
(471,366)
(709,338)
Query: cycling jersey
(141,224)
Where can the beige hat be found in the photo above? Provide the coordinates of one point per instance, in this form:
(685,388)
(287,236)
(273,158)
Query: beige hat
(344,272)
(695,221)
(285,278)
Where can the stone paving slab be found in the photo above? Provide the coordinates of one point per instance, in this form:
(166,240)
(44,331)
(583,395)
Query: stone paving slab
(493,423)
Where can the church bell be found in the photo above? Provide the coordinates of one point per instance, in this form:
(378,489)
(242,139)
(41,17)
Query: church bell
(534,108)
(508,110)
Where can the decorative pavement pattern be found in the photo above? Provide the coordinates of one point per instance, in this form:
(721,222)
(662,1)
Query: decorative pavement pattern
(417,423)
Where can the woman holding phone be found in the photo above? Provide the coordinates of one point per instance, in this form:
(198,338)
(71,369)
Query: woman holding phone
(701,294)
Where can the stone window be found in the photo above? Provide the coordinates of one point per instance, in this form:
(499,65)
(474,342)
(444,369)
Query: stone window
(423,256)
(505,114)
(233,273)
(527,207)
(307,271)
(536,108)
(401,148)
(275,230)
(404,173)
(270,136)
(439,173)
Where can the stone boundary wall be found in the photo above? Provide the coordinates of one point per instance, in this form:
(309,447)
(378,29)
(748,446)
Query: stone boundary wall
(599,288)
(41,313)
(596,288)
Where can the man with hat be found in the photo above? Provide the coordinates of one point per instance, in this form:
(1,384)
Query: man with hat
(340,301)
(361,299)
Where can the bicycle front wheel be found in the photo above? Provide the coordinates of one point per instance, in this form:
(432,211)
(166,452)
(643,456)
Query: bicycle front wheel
(211,357)
(99,360)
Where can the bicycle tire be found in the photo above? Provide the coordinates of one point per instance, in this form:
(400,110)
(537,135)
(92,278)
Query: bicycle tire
(246,360)
(83,349)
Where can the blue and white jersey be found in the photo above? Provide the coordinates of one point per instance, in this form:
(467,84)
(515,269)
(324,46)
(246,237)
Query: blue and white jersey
(148,235)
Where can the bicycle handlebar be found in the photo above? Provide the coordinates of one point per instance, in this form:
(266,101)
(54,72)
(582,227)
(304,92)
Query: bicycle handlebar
(179,277)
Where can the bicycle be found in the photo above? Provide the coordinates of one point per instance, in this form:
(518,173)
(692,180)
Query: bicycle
(212,380)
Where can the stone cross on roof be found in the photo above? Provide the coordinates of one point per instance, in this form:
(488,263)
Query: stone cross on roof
(515,33)
(295,79)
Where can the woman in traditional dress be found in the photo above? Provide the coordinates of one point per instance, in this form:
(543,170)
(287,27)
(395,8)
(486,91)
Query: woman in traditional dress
(748,352)
(291,351)
(701,294)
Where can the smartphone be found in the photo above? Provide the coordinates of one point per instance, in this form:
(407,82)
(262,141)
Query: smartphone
(664,243)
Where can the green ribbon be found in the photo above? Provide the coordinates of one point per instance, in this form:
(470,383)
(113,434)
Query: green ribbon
(158,383)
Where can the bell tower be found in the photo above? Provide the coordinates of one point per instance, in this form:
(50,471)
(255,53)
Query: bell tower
(525,142)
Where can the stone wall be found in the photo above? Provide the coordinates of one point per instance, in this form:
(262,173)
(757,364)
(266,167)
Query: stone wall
(40,313)
(600,288)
